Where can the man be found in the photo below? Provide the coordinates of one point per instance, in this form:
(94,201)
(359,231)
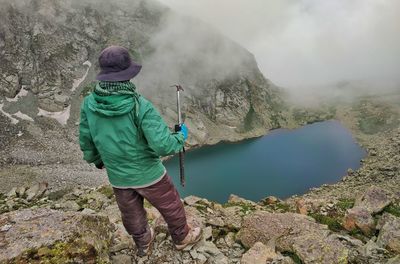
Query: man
(122,131)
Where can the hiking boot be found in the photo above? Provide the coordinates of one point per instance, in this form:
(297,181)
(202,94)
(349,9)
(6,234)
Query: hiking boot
(191,238)
(145,250)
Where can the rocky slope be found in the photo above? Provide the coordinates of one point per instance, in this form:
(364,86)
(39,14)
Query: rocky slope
(49,51)
(84,226)
(356,220)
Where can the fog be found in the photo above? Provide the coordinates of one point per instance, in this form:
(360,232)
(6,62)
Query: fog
(311,43)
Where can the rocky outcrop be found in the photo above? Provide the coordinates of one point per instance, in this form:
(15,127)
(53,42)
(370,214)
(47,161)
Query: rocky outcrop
(293,233)
(373,201)
(389,235)
(84,225)
(259,254)
(42,235)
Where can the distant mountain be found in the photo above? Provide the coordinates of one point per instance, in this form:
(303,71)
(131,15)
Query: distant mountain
(49,51)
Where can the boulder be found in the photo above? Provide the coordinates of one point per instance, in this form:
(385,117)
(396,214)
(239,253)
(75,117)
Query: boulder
(389,235)
(270,200)
(51,236)
(191,200)
(359,217)
(36,191)
(295,233)
(12,193)
(234,199)
(258,254)
(375,199)
(301,207)
(232,217)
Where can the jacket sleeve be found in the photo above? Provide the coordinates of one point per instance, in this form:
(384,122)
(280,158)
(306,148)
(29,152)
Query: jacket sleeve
(157,133)
(90,152)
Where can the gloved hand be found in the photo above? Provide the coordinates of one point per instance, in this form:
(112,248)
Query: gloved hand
(184,130)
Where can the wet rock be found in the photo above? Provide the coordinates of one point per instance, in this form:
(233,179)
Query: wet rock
(258,254)
(359,217)
(375,199)
(293,233)
(81,238)
(389,235)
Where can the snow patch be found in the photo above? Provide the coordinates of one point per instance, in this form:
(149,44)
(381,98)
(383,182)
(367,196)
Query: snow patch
(62,116)
(23,116)
(78,82)
(21,93)
(14,121)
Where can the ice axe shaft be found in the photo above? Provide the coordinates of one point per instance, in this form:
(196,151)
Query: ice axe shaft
(177,128)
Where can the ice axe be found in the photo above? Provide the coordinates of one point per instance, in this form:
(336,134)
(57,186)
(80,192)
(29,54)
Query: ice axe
(178,128)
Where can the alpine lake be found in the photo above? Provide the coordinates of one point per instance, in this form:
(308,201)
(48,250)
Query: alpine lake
(282,163)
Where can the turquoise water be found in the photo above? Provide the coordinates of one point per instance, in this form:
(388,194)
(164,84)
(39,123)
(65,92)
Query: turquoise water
(282,163)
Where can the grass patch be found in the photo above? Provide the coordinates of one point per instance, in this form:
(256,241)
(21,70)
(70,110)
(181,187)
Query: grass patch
(282,207)
(57,195)
(107,191)
(345,204)
(244,208)
(332,223)
(393,209)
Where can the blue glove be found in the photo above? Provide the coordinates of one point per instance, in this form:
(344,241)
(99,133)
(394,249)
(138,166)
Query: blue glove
(184,131)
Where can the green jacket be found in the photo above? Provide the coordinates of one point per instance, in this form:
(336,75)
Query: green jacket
(130,149)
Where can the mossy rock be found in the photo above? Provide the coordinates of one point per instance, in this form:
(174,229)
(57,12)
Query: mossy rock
(49,236)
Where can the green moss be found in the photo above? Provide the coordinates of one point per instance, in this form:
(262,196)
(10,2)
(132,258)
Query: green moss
(60,252)
(244,208)
(332,223)
(283,207)
(82,202)
(107,191)
(393,209)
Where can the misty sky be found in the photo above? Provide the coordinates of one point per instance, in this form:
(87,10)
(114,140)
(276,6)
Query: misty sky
(301,43)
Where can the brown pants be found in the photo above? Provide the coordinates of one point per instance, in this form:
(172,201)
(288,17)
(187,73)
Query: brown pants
(163,196)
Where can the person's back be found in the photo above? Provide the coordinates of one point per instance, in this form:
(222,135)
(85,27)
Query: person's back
(123,132)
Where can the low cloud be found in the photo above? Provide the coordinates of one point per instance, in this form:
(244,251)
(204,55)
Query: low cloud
(310,43)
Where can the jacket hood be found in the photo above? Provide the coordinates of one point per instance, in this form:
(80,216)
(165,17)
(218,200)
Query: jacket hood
(112,105)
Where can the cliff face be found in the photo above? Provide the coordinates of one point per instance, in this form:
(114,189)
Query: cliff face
(49,53)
